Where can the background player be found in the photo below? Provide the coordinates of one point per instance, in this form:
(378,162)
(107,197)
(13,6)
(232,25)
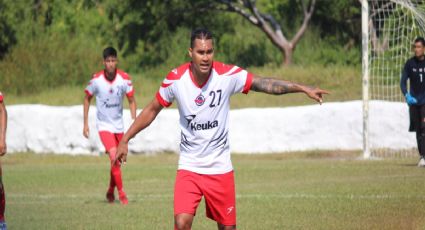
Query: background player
(414,70)
(109,86)
(202,89)
(3,149)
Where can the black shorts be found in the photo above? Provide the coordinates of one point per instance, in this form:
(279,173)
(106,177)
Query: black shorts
(417,116)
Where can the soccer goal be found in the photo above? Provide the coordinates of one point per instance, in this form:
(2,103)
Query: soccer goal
(389,28)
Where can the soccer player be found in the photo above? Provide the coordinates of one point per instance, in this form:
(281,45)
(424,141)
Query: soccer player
(109,86)
(202,89)
(414,70)
(3,148)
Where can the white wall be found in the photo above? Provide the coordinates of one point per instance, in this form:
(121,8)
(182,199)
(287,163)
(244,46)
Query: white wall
(48,129)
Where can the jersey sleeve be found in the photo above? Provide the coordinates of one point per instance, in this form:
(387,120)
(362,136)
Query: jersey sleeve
(242,80)
(128,84)
(404,77)
(1,97)
(165,94)
(129,91)
(91,88)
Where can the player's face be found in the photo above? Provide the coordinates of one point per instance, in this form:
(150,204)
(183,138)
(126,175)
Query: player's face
(202,55)
(419,49)
(110,64)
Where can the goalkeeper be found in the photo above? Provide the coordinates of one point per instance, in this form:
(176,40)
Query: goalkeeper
(414,70)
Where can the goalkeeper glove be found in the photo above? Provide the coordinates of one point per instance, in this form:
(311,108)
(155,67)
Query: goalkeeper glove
(410,99)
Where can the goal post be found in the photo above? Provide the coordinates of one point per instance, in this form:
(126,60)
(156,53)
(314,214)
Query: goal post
(389,28)
(365,76)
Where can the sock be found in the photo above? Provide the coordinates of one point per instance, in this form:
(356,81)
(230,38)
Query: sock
(111,176)
(2,200)
(116,171)
(111,183)
(420,137)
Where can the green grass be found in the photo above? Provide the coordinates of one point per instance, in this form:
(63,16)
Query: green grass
(325,190)
(344,83)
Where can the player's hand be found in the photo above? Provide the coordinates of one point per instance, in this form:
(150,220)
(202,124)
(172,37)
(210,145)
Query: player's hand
(316,94)
(3,148)
(86,131)
(122,151)
(410,99)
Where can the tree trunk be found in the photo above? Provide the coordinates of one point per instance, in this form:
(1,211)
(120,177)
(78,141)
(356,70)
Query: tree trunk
(287,53)
(267,23)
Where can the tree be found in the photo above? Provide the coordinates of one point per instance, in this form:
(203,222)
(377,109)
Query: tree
(269,25)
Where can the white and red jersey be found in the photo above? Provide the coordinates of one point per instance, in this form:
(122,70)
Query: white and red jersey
(204,114)
(109,99)
(1,97)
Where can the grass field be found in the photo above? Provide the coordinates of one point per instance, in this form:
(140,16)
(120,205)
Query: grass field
(344,83)
(313,190)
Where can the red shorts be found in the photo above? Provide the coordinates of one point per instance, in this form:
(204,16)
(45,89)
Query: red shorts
(218,190)
(110,140)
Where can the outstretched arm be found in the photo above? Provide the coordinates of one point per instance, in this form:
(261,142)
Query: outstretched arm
(3,126)
(86,130)
(143,120)
(278,87)
(133,106)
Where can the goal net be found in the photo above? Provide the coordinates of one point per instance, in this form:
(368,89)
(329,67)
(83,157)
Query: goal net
(389,28)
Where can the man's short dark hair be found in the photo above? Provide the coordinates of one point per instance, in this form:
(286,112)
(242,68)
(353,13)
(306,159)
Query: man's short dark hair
(421,40)
(110,51)
(200,33)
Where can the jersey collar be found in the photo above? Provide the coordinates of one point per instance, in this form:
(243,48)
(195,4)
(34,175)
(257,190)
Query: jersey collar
(193,78)
(107,80)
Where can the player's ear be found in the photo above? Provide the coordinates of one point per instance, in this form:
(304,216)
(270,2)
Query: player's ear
(190,52)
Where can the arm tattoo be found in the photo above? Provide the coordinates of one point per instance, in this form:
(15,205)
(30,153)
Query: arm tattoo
(274,86)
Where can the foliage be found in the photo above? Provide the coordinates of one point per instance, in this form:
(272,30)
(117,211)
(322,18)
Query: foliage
(48,43)
(46,63)
(315,51)
(339,22)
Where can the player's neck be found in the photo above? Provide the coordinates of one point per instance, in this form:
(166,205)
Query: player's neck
(421,58)
(200,78)
(110,76)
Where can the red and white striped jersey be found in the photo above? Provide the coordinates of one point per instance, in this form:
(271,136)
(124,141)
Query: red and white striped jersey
(204,114)
(109,99)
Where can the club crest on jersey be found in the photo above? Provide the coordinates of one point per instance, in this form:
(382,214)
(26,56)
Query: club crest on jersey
(200,100)
(111,91)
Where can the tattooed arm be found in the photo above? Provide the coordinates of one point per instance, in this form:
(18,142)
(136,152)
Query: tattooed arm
(278,87)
